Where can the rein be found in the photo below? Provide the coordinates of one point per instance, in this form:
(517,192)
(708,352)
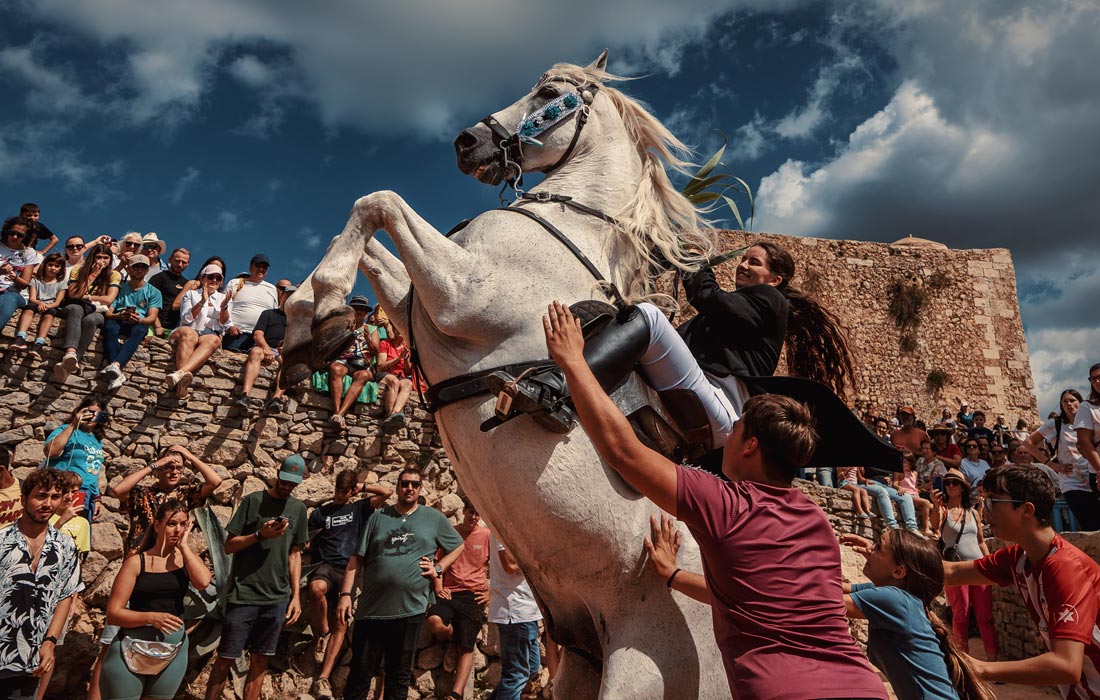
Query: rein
(464,386)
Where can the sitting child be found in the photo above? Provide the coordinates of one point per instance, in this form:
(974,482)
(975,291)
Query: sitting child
(45,295)
(849,481)
(905,482)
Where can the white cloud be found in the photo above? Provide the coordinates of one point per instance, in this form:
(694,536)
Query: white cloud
(379,67)
(48,89)
(310,240)
(183,184)
(228,221)
(988,141)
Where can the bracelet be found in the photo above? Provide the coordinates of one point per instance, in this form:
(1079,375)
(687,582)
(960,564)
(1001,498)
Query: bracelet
(259,535)
(342,594)
(668,584)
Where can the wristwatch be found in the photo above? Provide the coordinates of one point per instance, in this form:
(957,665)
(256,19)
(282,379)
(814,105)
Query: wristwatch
(438,570)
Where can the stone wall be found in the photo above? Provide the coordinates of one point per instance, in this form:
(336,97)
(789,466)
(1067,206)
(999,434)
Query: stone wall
(970,325)
(245,451)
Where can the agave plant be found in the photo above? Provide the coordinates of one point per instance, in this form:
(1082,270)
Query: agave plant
(706,188)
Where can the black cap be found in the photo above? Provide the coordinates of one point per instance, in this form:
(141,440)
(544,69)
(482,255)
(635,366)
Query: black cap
(360,301)
(261,259)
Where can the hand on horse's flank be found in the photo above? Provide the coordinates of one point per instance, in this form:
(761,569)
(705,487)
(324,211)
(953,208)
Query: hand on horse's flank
(564,341)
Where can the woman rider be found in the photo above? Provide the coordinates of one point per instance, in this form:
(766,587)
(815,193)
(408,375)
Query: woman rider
(728,353)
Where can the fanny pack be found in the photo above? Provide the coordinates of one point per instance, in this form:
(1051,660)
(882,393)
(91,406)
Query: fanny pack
(147,658)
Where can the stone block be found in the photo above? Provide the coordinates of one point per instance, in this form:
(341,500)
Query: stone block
(106,540)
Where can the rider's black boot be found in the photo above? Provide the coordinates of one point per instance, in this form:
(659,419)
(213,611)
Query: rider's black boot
(611,349)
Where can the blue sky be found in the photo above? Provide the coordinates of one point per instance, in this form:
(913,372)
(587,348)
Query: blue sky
(234,128)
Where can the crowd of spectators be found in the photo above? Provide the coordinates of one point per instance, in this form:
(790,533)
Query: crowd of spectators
(128,289)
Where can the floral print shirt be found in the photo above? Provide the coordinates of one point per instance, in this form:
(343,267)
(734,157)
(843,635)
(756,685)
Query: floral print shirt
(29,597)
(144,502)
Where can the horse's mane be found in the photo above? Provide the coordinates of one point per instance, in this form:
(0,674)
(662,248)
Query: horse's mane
(658,226)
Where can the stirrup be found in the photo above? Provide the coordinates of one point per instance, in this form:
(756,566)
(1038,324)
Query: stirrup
(515,397)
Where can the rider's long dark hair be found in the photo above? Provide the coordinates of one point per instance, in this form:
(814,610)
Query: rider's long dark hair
(816,344)
(924,581)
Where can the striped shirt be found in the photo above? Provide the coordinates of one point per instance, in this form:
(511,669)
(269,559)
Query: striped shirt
(1061,594)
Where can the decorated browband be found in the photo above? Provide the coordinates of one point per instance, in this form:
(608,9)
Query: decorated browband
(547,116)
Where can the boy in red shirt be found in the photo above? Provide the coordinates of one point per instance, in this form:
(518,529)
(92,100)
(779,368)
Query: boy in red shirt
(1059,583)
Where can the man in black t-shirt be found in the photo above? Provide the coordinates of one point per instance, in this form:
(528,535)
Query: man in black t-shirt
(335,529)
(267,339)
(170,283)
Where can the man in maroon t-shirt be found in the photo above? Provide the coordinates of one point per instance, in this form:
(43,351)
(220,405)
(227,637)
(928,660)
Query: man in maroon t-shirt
(771,560)
(1059,584)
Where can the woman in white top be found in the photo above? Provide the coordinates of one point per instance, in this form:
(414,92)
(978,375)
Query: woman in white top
(1087,423)
(1071,467)
(202,324)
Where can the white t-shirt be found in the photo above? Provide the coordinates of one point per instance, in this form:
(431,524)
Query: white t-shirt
(510,596)
(1068,454)
(19,259)
(248,300)
(1088,416)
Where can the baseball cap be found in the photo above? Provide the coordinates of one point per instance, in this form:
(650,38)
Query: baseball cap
(212,269)
(289,289)
(360,301)
(259,259)
(292,470)
(138,259)
(907,409)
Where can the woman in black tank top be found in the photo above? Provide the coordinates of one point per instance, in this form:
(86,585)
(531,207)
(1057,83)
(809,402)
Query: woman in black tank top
(147,601)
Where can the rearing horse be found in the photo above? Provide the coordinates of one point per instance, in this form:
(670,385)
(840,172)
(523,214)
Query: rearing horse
(574,526)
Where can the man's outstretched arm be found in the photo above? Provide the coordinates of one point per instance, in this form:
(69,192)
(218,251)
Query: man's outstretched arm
(647,471)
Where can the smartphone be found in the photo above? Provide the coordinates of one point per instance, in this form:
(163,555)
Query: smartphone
(78,499)
(280,519)
(127,310)
(937,483)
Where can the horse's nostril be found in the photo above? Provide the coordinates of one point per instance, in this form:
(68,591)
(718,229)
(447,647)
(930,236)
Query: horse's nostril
(466,140)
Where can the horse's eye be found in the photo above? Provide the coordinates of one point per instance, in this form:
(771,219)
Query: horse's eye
(548,92)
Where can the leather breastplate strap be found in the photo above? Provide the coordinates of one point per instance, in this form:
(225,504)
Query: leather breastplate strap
(467,385)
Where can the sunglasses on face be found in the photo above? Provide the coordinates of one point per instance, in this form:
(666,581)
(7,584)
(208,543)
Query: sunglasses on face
(405,483)
(971,447)
(150,247)
(216,278)
(131,244)
(74,246)
(952,483)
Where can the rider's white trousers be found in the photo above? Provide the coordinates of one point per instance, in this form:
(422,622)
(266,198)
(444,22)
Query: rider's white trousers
(669,364)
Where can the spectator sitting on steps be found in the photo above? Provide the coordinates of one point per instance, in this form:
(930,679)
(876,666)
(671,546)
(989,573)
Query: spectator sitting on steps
(394,377)
(133,312)
(245,300)
(359,360)
(45,296)
(202,321)
(170,282)
(93,287)
(267,337)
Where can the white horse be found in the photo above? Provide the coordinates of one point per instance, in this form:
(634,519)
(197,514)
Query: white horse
(575,526)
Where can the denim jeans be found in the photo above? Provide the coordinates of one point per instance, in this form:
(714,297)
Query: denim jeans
(822,475)
(885,496)
(519,658)
(10,302)
(391,642)
(112,329)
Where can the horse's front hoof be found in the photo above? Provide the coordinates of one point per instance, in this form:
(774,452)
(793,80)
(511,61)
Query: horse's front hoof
(332,336)
(296,367)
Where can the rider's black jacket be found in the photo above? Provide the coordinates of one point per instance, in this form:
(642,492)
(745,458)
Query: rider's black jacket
(739,332)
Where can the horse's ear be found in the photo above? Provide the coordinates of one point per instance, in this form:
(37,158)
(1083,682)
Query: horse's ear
(601,61)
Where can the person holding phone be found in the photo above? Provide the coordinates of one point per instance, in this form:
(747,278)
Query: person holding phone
(266,533)
(77,446)
(134,310)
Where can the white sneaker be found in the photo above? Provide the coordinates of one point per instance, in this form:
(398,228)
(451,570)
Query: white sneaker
(111,370)
(118,381)
(70,363)
(184,382)
(173,379)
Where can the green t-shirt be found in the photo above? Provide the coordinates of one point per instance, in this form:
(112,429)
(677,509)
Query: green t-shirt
(392,545)
(261,573)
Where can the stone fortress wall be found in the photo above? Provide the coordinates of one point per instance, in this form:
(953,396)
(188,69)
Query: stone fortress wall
(969,325)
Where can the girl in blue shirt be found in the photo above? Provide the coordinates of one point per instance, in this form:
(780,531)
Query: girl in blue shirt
(905,639)
(77,446)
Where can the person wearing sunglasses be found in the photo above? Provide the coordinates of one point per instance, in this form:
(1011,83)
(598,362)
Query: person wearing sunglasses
(152,247)
(128,247)
(134,310)
(202,323)
(247,299)
(400,579)
(17,265)
(1056,581)
(74,253)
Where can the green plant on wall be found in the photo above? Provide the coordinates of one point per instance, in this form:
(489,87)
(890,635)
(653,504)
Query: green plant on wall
(936,380)
(906,304)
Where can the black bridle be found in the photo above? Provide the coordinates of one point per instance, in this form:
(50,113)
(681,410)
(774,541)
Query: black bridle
(511,148)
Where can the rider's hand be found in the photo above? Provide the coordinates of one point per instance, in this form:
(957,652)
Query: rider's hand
(663,545)
(563,335)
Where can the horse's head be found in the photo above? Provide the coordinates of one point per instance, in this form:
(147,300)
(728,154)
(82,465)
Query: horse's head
(538,132)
